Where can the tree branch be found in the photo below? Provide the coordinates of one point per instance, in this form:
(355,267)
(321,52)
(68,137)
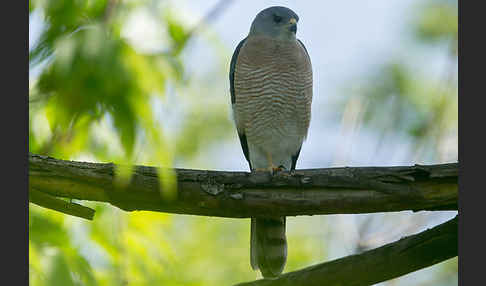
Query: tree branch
(242,194)
(380,264)
(50,202)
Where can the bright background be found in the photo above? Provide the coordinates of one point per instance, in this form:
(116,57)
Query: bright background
(121,81)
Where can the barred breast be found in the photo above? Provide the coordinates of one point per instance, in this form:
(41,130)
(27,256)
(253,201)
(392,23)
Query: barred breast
(273,90)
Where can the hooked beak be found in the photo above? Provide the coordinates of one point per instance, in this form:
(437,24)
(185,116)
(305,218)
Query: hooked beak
(293,25)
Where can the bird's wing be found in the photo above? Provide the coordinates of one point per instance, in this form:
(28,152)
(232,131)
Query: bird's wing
(302,44)
(232,70)
(294,159)
(241,134)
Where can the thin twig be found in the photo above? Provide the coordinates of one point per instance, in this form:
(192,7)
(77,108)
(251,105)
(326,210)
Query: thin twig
(50,202)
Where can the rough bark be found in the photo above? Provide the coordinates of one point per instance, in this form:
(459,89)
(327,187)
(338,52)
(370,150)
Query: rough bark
(380,264)
(241,194)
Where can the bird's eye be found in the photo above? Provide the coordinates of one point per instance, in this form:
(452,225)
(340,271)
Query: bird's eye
(277,19)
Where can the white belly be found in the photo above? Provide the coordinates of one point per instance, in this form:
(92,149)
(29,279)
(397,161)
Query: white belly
(275,147)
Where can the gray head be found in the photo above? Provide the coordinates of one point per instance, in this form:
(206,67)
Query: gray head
(276,22)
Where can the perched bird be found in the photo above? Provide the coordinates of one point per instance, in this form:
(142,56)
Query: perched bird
(271,95)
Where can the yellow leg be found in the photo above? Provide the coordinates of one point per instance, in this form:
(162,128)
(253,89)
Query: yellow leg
(271,167)
(270,162)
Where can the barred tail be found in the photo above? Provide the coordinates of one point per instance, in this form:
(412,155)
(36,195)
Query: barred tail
(268,245)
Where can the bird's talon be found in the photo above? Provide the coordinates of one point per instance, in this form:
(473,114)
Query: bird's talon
(278,169)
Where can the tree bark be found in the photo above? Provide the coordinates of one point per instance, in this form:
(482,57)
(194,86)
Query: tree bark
(380,264)
(242,194)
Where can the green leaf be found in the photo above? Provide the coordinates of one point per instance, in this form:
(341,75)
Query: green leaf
(58,271)
(46,230)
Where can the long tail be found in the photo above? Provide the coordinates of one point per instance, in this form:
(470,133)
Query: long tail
(268,245)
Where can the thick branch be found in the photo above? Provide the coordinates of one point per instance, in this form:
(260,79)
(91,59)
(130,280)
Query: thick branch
(380,264)
(242,194)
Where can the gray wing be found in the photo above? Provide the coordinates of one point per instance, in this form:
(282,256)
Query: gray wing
(241,135)
(304,48)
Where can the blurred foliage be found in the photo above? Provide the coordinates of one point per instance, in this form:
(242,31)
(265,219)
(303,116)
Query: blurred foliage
(64,18)
(145,248)
(101,95)
(399,98)
(414,99)
(93,72)
(438,21)
(104,94)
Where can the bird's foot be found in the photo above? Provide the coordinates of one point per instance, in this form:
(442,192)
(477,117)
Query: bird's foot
(277,169)
(272,170)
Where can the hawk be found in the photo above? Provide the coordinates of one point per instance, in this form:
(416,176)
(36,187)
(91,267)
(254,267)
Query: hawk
(271,95)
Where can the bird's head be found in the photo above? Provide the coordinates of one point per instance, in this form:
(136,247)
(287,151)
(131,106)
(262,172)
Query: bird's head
(276,22)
